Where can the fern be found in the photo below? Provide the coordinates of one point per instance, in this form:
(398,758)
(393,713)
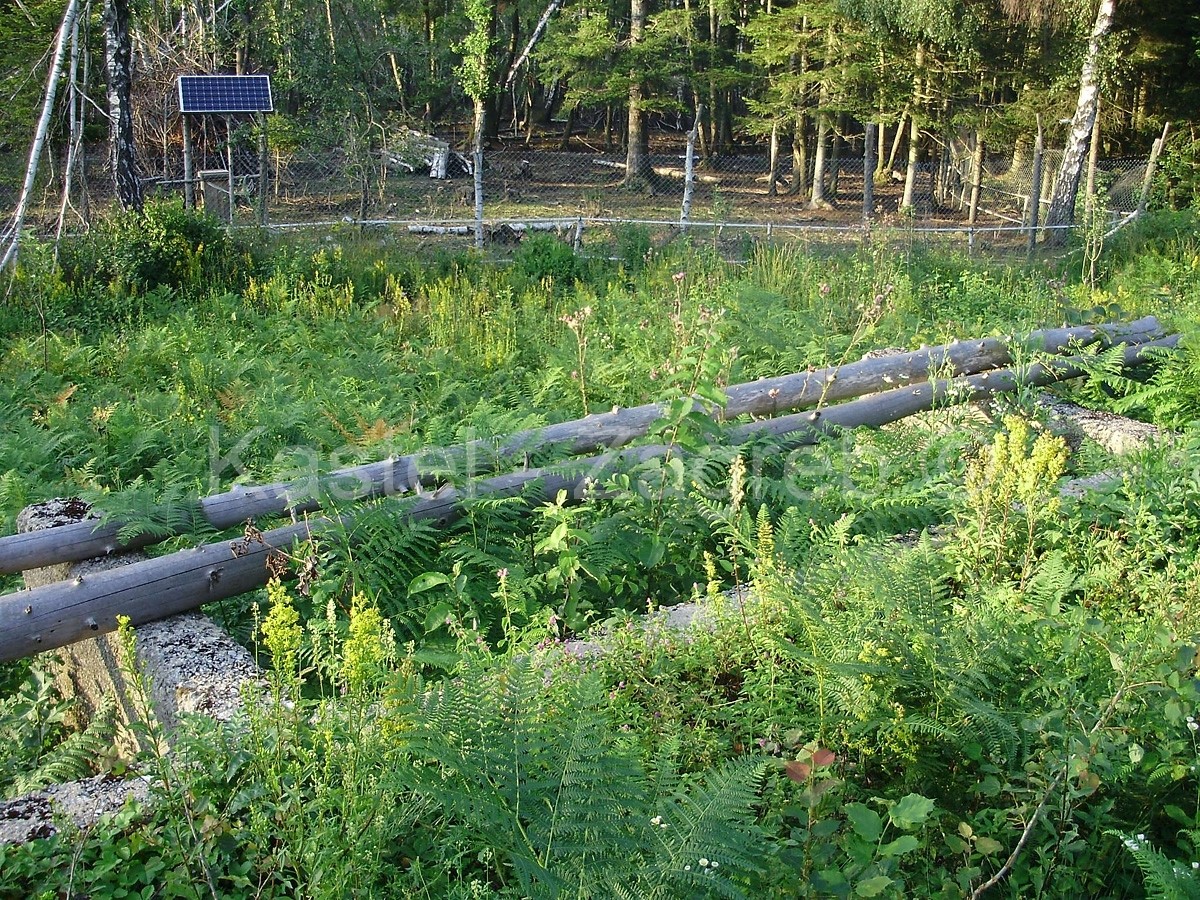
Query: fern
(376,553)
(536,774)
(1165,878)
(1171,394)
(707,823)
(160,507)
(76,756)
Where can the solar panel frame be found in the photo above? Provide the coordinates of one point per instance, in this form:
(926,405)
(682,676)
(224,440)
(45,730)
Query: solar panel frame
(225,94)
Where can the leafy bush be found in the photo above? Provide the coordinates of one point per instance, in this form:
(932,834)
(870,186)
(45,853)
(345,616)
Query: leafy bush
(165,246)
(543,256)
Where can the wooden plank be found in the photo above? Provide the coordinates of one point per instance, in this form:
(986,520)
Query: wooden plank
(60,613)
(765,397)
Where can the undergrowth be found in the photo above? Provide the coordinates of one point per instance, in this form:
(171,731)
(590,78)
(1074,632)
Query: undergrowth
(913,669)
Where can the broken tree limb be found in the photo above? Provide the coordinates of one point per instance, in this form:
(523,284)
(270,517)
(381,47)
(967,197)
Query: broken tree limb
(551,9)
(765,397)
(66,611)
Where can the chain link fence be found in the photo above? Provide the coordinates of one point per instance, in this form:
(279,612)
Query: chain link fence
(424,185)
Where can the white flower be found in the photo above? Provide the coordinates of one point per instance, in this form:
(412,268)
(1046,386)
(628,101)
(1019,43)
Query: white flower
(1192,726)
(715,863)
(1196,865)
(657,820)
(703,863)
(687,868)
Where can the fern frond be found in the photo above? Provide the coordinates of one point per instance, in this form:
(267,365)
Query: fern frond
(75,757)
(710,821)
(1165,879)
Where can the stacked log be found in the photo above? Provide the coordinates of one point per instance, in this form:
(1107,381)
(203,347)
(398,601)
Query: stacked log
(884,390)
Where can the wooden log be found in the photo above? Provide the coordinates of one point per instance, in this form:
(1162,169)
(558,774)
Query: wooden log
(60,613)
(662,171)
(765,397)
(879,409)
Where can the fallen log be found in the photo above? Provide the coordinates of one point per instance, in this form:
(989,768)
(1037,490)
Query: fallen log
(63,612)
(765,397)
(556,226)
(662,171)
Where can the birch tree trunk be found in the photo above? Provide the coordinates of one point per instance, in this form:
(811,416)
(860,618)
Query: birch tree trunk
(75,135)
(13,235)
(914,134)
(119,71)
(1066,186)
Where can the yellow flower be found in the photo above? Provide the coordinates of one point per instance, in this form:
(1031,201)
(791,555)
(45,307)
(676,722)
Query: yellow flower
(281,629)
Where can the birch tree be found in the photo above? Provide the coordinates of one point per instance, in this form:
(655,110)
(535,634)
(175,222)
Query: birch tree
(12,234)
(1066,185)
(118,68)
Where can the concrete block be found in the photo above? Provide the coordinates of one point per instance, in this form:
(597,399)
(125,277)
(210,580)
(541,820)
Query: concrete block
(191,665)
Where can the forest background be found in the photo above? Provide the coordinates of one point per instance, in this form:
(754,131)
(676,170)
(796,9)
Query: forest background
(801,85)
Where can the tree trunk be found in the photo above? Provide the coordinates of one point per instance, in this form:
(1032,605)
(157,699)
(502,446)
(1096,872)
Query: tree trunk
(477,167)
(897,140)
(799,157)
(773,161)
(976,178)
(13,233)
(119,71)
(817,196)
(914,134)
(637,149)
(1066,186)
(75,134)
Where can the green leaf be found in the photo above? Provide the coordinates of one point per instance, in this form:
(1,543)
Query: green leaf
(905,844)
(872,887)
(436,617)
(866,822)
(426,581)
(910,811)
(987,846)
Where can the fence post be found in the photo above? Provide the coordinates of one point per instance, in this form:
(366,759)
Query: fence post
(976,190)
(1035,187)
(229,161)
(1151,163)
(869,147)
(689,171)
(262,169)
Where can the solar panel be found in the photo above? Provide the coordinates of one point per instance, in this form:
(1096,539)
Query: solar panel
(225,93)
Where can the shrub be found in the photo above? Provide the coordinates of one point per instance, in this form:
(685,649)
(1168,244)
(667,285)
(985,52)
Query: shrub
(166,245)
(543,256)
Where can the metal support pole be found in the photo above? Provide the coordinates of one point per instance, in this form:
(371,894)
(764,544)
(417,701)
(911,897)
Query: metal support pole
(189,168)
(229,161)
(1035,187)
